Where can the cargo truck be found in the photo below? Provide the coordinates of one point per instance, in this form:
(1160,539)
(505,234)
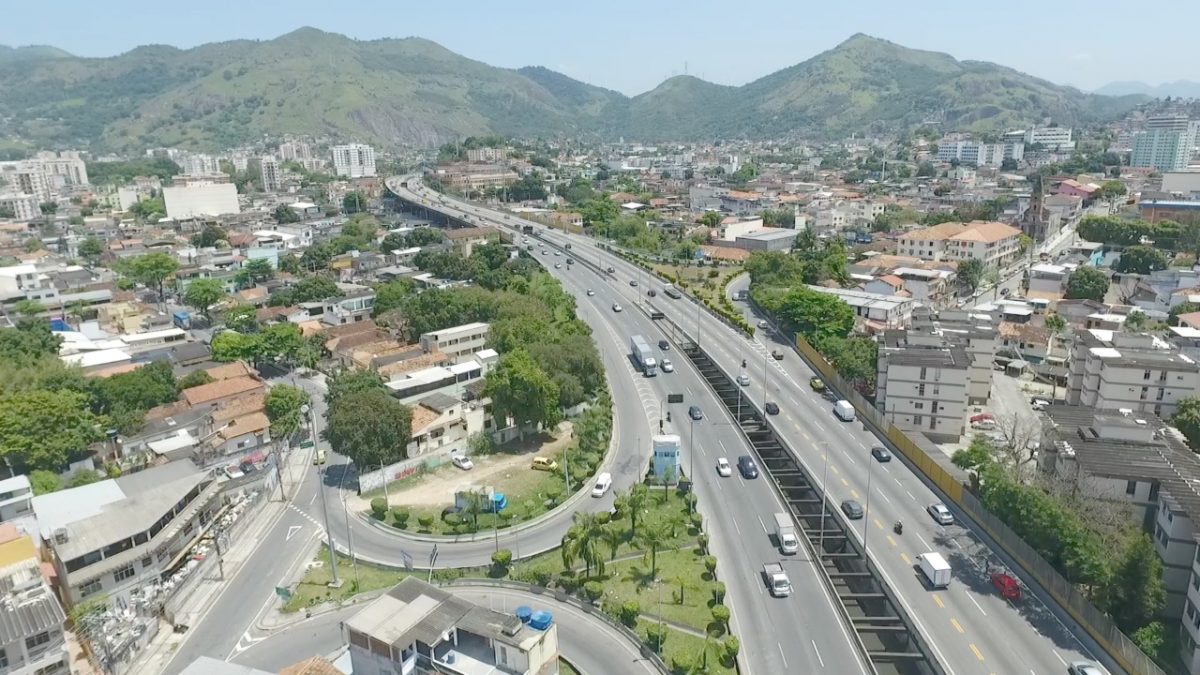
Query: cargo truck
(643,356)
(935,568)
(777,580)
(785,533)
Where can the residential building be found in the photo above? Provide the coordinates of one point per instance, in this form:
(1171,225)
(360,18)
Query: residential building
(979,154)
(26,178)
(767,239)
(992,243)
(480,155)
(977,333)
(1048,279)
(443,424)
(930,286)
(1139,372)
(1074,188)
(419,629)
(23,206)
(118,535)
(1053,139)
(45,174)
(876,312)
(200,198)
(465,239)
(272,174)
(1166,144)
(354,306)
(354,160)
(197,164)
(16,499)
(922,382)
(731,228)
(292,151)
(451,380)
(459,343)
(32,640)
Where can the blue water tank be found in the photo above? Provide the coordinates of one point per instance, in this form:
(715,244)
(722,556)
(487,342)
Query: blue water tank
(523,613)
(541,620)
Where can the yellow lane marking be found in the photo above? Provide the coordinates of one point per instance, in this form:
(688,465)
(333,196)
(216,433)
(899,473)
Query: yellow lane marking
(890,540)
(957,627)
(978,654)
(834,469)
(845,482)
(877,523)
(909,562)
(854,493)
(938,601)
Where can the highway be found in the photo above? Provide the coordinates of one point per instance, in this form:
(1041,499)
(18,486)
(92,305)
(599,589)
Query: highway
(971,629)
(736,511)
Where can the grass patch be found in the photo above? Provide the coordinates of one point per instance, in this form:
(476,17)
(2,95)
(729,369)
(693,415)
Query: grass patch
(631,580)
(681,650)
(530,494)
(313,588)
(565,668)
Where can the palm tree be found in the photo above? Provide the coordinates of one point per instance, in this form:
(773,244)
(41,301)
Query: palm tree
(568,551)
(655,534)
(635,501)
(589,531)
(474,504)
(612,538)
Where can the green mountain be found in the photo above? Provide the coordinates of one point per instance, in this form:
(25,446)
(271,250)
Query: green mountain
(414,91)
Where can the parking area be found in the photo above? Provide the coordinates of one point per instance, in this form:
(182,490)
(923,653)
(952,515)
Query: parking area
(1009,404)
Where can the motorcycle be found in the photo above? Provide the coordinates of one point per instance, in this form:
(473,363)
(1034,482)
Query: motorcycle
(898,528)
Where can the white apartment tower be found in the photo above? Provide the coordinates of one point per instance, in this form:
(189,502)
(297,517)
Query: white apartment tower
(1166,144)
(354,160)
(271,174)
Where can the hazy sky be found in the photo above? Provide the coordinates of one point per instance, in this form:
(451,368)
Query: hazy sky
(632,46)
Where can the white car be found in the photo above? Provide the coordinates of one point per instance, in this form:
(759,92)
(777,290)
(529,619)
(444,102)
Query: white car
(616,307)
(940,513)
(667,366)
(462,461)
(763,324)
(591,292)
(557,253)
(743,380)
(545,252)
(723,467)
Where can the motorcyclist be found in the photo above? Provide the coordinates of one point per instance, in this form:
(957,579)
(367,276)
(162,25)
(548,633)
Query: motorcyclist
(898,527)
(743,363)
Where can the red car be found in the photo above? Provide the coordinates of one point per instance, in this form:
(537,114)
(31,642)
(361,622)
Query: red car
(1008,586)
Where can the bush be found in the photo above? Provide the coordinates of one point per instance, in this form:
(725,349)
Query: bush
(379,507)
(710,564)
(718,592)
(732,647)
(628,614)
(452,519)
(425,520)
(502,558)
(400,517)
(720,614)
(656,636)
(604,517)
(697,520)
(593,590)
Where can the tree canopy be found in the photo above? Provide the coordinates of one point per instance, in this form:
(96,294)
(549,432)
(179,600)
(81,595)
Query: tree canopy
(520,389)
(151,269)
(283,404)
(1087,283)
(202,294)
(1141,259)
(369,426)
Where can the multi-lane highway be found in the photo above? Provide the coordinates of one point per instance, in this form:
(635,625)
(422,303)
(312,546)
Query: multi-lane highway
(971,629)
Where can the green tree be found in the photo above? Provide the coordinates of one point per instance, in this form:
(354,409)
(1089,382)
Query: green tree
(231,346)
(656,534)
(1135,320)
(1087,283)
(370,427)
(1187,420)
(1141,259)
(43,429)
(241,318)
(84,477)
(210,235)
(283,403)
(28,308)
(1151,639)
(1055,323)
(815,315)
(520,389)
(196,378)
(979,455)
(1135,592)
(711,218)
(285,214)
(131,394)
(586,537)
(151,269)
(634,502)
(971,272)
(354,202)
(44,482)
(91,248)
(254,272)
(202,294)
(27,341)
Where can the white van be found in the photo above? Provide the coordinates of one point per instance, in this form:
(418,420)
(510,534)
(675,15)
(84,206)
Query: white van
(603,483)
(844,410)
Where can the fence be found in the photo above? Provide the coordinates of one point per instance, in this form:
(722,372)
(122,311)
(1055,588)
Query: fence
(950,481)
(586,607)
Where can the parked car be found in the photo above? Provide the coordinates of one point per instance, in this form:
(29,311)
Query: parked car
(590,292)
(558,266)
(777,354)
(771,408)
(747,467)
(940,513)
(723,468)
(762,323)
(319,456)
(695,412)
(544,464)
(247,467)
(852,509)
(881,454)
(462,461)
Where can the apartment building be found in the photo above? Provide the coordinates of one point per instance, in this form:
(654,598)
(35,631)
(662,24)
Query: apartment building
(992,243)
(978,334)
(294,151)
(119,535)
(16,499)
(32,640)
(45,174)
(1166,144)
(979,154)
(459,343)
(923,382)
(200,198)
(23,206)
(272,174)
(1053,139)
(354,160)
(1138,372)
(419,629)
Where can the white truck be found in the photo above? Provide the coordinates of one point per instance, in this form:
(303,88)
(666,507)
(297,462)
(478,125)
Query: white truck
(777,580)
(844,410)
(643,356)
(785,533)
(935,568)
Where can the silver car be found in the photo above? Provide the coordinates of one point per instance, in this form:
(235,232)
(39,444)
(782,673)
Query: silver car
(940,513)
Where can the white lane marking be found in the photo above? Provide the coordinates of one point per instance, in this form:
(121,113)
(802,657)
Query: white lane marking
(954,542)
(976,604)
(910,495)
(764,525)
(739,530)
(1060,659)
(781,655)
(883,494)
(292,530)
(927,546)
(818,652)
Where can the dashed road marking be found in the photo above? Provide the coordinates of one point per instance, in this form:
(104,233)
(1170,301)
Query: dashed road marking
(957,626)
(938,601)
(978,654)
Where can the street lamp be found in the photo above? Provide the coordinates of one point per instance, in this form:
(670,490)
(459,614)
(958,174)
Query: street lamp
(867,508)
(824,501)
(350,542)
(335,582)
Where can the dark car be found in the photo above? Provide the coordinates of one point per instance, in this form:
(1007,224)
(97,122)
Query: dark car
(852,509)
(881,454)
(772,408)
(247,467)
(664,345)
(651,293)
(695,412)
(747,467)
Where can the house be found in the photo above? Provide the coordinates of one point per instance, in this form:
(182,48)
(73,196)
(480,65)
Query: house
(875,311)
(119,535)
(32,637)
(1025,341)
(443,424)
(353,307)
(421,629)
(1074,188)
(222,389)
(465,239)
(459,342)
(888,284)
(16,499)
(1048,279)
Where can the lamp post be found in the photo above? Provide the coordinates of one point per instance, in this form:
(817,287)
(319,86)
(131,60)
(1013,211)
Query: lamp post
(824,501)
(335,583)
(867,508)
(350,542)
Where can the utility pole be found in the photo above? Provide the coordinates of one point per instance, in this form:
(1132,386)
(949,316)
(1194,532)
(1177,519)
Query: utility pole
(335,583)
(350,542)
(824,503)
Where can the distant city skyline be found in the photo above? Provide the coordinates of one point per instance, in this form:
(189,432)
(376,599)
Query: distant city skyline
(631,47)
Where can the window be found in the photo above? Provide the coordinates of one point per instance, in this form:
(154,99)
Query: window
(1130,487)
(147,562)
(919,406)
(90,588)
(1146,375)
(37,640)
(123,573)
(917,419)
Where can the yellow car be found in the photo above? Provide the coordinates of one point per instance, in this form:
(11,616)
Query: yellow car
(544,464)
(319,457)
(816,384)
